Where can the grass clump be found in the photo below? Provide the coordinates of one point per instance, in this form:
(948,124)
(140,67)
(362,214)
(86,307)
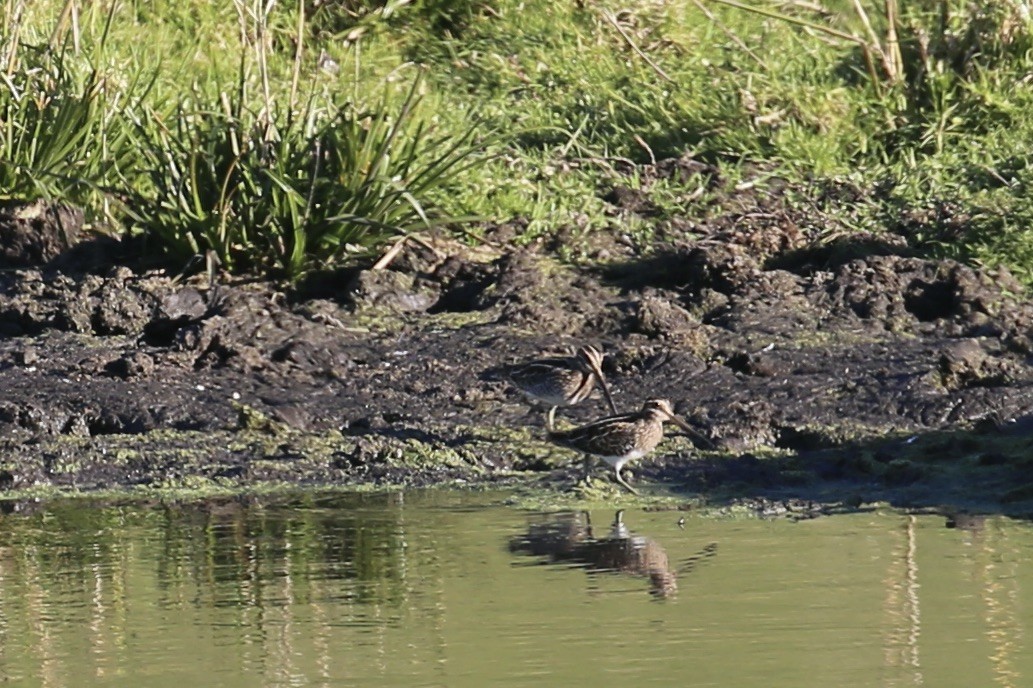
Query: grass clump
(62,135)
(259,181)
(282,189)
(285,194)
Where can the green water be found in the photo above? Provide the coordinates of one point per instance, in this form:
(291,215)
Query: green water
(425,590)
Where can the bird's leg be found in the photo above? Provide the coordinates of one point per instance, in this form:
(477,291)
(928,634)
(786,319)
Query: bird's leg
(550,419)
(617,472)
(586,468)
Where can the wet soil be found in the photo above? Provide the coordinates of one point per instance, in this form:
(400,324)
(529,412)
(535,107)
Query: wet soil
(822,365)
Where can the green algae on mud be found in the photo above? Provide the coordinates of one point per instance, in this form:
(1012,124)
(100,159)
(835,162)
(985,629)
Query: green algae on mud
(263,453)
(967,470)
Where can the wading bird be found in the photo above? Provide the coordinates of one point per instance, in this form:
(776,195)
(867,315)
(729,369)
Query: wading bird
(562,381)
(622,438)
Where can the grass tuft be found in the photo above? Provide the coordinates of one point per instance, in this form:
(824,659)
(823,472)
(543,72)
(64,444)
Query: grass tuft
(64,135)
(283,195)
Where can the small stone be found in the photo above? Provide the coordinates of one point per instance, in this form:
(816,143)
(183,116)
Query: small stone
(25,357)
(183,305)
(390,290)
(130,365)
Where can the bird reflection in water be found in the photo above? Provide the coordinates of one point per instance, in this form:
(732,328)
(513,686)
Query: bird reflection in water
(568,537)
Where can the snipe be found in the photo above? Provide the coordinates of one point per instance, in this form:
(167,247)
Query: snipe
(562,381)
(623,438)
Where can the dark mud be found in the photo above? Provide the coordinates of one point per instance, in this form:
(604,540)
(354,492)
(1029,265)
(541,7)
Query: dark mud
(841,369)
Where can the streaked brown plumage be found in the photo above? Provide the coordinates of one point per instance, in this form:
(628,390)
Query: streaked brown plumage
(562,381)
(623,438)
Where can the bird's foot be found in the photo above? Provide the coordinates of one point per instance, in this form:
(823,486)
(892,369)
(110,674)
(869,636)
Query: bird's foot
(624,484)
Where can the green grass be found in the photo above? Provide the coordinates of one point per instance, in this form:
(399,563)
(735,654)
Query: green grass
(62,136)
(572,93)
(283,194)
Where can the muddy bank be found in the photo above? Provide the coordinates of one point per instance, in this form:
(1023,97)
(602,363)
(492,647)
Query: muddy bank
(845,370)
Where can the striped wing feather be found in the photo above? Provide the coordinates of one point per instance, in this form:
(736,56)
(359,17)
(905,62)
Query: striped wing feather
(556,378)
(609,437)
(542,366)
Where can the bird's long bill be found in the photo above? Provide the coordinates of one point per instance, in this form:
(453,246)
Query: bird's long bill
(690,430)
(598,372)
